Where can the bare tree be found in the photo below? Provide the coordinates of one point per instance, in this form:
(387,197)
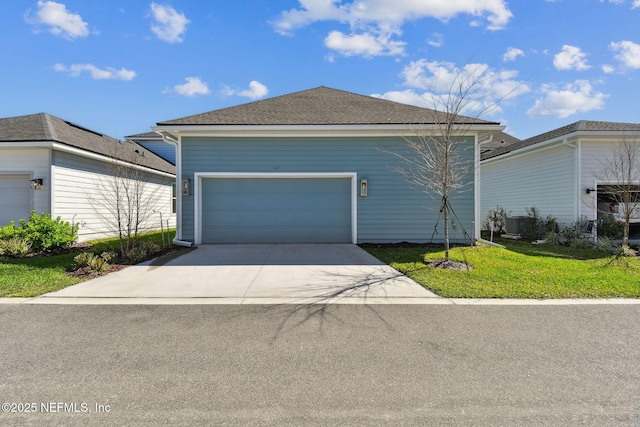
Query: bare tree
(126,198)
(438,160)
(620,176)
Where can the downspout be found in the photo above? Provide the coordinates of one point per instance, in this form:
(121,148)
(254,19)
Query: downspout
(476,190)
(176,143)
(576,177)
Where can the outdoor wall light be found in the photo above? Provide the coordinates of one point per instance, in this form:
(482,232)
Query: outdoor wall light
(186,186)
(591,190)
(36,184)
(363,188)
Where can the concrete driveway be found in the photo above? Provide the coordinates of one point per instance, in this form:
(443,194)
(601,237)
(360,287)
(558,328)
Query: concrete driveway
(256,273)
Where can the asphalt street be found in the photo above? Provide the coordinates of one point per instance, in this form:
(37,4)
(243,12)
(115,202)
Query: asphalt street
(289,365)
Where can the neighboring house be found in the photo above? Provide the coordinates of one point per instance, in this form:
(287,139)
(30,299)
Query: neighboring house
(53,166)
(153,142)
(311,166)
(556,172)
(498,140)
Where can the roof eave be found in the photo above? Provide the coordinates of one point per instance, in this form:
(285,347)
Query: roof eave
(311,130)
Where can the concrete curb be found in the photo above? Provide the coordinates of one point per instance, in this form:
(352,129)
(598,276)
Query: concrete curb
(46,300)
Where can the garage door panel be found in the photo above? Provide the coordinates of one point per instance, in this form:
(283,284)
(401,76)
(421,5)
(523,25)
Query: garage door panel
(15,198)
(273,210)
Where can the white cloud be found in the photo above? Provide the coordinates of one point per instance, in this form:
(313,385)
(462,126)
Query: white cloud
(408,96)
(608,69)
(169,25)
(256,91)
(636,3)
(193,87)
(386,13)
(365,44)
(512,54)
(431,84)
(61,22)
(628,53)
(373,23)
(571,58)
(96,73)
(577,97)
(437,39)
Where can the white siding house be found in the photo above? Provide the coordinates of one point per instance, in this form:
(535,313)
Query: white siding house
(73,167)
(552,171)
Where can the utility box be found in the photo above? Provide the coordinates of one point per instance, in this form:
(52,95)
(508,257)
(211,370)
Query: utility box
(518,225)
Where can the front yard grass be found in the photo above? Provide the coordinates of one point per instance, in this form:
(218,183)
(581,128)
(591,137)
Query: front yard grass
(33,276)
(521,270)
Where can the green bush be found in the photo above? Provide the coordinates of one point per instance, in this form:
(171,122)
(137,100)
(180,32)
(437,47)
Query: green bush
(577,230)
(8,231)
(605,244)
(141,251)
(553,238)
(609,227)
(47,234)
(97,265)
(581,243)
(499,218)
(537,226)
(15,247)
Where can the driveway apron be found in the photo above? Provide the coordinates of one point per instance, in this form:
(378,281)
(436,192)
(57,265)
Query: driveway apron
(252,271)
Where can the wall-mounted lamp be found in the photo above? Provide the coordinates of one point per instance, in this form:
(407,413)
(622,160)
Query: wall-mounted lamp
(363,188)
(36,184)
(591,190)
(186,186)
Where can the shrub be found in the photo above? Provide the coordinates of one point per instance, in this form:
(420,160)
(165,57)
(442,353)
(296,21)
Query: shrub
(581,243)
(47,234)
(136,255)
(141,251)
(8,231)
(577,230)
(609,227)
(108,256)
(97,265)
(499,218)
(605,244)
(553,238)
(537,227)
(15,247)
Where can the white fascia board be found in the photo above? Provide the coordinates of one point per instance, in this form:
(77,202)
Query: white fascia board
(312,130)
(550,143)
(100,157)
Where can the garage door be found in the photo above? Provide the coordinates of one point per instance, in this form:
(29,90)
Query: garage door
(15,198)
(276,210)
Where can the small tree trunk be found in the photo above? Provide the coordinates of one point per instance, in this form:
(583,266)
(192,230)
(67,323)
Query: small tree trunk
(445,206)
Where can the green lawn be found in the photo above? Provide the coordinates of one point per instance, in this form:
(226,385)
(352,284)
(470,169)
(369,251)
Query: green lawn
(522,270)
(29,277)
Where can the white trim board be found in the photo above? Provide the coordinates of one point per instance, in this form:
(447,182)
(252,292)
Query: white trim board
(197,193)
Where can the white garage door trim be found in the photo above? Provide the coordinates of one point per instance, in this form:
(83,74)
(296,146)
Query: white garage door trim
(197,193)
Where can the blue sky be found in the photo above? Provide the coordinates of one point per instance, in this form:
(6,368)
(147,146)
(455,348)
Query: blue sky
(120,66)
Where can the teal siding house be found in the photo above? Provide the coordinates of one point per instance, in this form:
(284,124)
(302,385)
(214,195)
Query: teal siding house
(315,166)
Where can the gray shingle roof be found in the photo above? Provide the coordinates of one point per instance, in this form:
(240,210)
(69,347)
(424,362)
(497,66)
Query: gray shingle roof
(45,127)
(500,139)
(581,126)
(318,106)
